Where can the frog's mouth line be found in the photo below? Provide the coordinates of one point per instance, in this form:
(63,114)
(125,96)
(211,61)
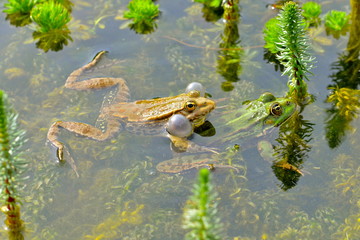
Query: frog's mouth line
(199,119)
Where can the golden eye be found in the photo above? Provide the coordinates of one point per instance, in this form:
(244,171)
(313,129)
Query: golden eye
(190,106)
(276,109)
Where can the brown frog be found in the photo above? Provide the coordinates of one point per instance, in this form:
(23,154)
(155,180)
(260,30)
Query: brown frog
(140,117)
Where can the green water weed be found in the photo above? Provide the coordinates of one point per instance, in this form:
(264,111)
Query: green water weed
(291,43)
(200,211)
(143,14)
(50,16)
(19,6)
(311,13)
(336,20)
(18,11)
(211,3)
(271,34)
(12,164)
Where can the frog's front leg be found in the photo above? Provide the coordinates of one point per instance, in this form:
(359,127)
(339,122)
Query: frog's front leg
(82,129)
(184,145)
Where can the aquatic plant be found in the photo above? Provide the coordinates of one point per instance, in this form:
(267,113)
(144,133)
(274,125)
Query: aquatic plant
(346,105)
(50,16)
(143,14)
(65,3)
(19,6)
(336,23)
(292,45)
(212,10)
(18,12)
(271,35)
(345,184)
(11,165)
(54,40)
(211,3)
(311,13)
(200,211)
(345,96)
(291,150)
(347,101)
(229,59)
(52,32)
(336,20)
(112,227)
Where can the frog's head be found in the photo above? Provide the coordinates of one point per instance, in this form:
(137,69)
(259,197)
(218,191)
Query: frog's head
(196,108)
(278,109)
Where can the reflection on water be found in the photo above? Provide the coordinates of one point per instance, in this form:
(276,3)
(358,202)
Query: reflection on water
(229,59)
(143,14)
(345,96)
(51,18)
(291,150)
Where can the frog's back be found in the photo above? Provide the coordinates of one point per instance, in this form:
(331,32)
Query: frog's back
(144,110)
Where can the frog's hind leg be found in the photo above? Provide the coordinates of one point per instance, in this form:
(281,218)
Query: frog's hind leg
(99,82)
(82,129)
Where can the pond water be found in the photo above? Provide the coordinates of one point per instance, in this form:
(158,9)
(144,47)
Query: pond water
(119,193)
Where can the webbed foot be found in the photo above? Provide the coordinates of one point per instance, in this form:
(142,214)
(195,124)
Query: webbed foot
(60,155)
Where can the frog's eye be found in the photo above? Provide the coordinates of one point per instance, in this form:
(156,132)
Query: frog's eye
(276,109)
(190,106)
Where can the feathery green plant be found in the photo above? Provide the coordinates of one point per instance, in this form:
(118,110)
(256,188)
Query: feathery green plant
(18,12)
(211,3)
(52,31)
(291,150)
(200,211)
(229,59)
(292,45)
(311,13)
(345,108)
(337,23)
(336,20)
(271,35)
(11,164)
(212,9)
(50,16)
(16,6)
(66,4)
(143,14)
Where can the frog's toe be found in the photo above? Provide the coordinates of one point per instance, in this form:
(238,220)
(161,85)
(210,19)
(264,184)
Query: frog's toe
(60,154)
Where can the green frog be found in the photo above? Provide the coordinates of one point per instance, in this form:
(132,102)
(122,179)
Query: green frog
(139,117)
(253,120)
